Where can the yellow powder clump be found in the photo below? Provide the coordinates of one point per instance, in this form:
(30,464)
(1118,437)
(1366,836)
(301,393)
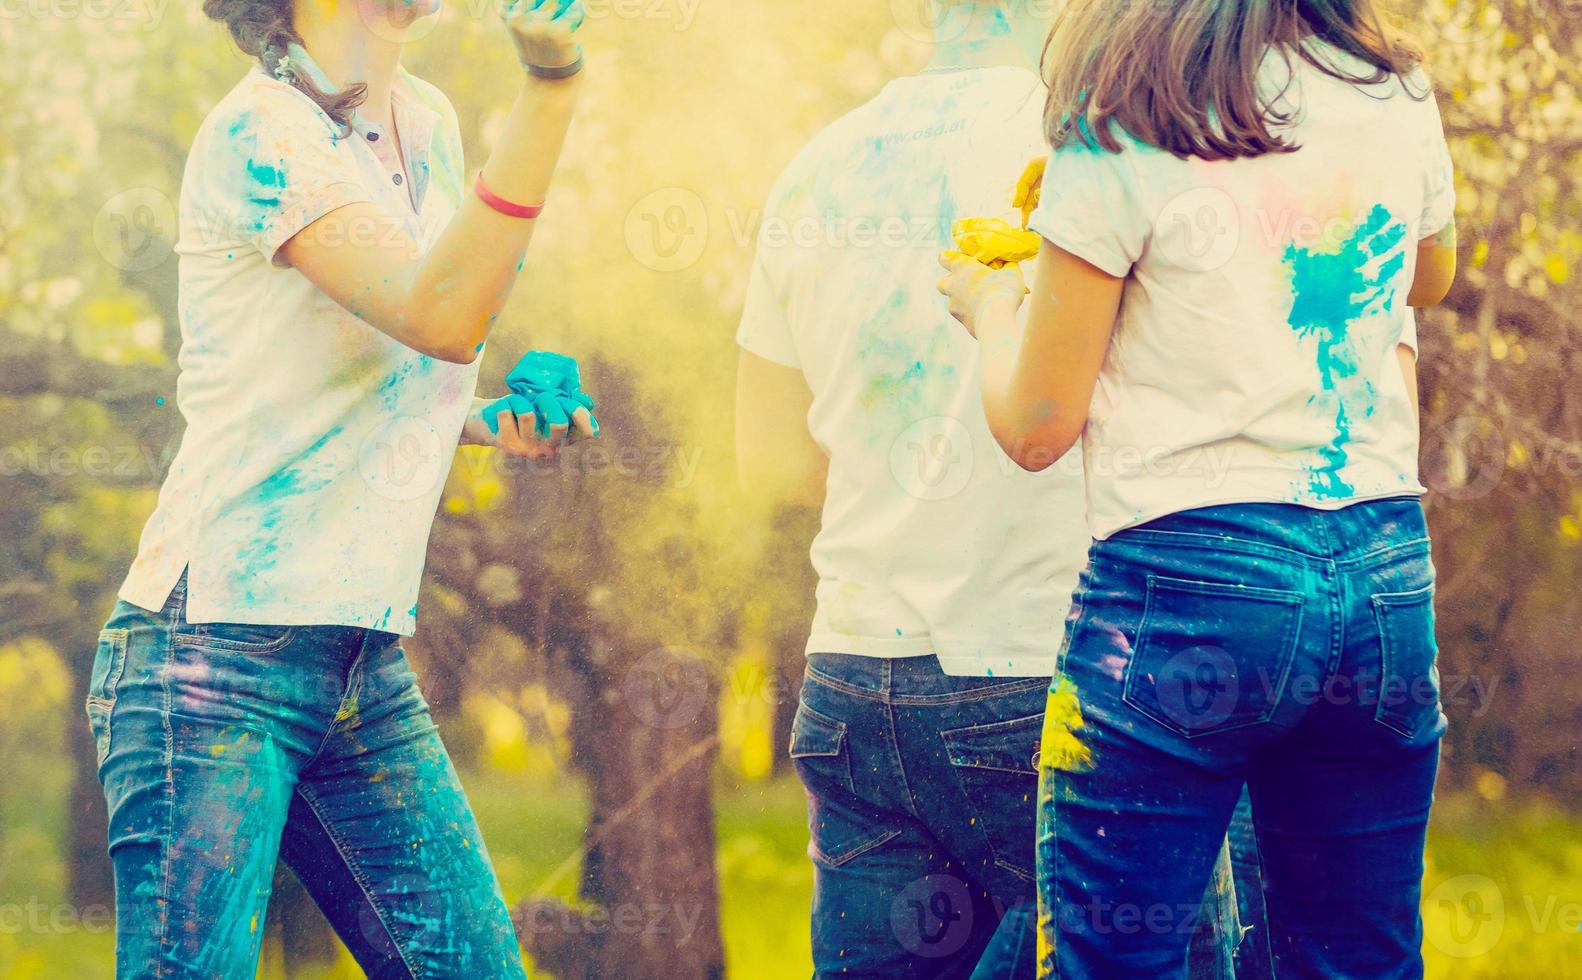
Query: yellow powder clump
(1061,748)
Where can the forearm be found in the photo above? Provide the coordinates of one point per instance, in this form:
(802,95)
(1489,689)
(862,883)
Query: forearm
(460,287)
(1024,414)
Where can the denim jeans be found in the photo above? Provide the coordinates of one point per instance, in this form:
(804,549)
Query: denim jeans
(1285,648)
(222,748)
(921,809)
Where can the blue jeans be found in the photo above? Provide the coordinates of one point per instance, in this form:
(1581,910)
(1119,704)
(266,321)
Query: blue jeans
(1288,649)
(921,809)
(222,748)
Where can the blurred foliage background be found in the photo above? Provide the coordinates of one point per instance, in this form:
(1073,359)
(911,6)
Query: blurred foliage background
(612,643)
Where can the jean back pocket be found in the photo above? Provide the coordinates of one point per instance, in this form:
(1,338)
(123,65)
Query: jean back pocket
(1408,687)
(997,765)
(840,826)
(1211,657)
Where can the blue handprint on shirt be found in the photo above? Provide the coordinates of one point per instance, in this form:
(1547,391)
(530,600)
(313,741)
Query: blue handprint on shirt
(1331,293)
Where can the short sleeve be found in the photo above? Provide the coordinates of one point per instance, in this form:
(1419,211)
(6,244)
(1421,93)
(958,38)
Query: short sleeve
(266,169)
(1439,179)
(766,326)
(1091,207)
(1409,332)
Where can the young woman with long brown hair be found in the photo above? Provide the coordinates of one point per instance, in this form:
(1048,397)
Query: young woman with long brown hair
(1244,202)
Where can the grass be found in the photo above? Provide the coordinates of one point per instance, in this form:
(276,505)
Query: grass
(1504,891)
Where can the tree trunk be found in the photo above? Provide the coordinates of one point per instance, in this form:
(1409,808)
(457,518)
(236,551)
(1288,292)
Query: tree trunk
(90,883)
(645,733)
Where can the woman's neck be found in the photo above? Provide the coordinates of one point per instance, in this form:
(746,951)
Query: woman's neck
(349,52)
(988,34)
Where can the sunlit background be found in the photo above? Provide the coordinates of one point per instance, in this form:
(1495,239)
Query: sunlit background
(612,643)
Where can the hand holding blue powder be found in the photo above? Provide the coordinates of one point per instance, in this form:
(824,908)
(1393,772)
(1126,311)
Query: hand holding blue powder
(547,386)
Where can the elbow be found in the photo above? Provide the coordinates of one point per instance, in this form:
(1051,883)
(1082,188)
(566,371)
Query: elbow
(1422,297)
(455,354)
(1432,282)
(443,345)
(1036,450)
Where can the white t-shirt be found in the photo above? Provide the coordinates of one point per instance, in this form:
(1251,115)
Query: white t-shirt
(1254,357)
(316,447)
(933,542)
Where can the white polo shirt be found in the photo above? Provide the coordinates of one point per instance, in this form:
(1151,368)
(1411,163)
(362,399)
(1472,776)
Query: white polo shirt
(316,447)
(933,541)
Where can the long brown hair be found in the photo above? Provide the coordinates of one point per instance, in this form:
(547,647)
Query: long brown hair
(1182,75)
(263,29)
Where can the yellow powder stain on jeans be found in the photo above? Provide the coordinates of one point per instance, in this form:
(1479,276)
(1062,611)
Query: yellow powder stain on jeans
(1061,749)
(1046,943)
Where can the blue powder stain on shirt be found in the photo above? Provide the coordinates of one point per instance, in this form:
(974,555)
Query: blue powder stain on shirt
(261,182)
(895,358)
(1000,26)
(1331,293)
(389,389)
(258,554)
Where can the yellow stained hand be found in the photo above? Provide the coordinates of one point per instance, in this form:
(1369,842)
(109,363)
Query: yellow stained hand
(995,243)
(972,286)
(1030,189)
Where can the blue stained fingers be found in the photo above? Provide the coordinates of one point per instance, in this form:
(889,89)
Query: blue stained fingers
(546,386)
(572,13)
(513,403)
(551,411)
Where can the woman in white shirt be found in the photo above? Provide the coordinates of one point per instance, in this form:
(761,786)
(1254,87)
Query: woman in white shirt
(250,698)
(1244,202)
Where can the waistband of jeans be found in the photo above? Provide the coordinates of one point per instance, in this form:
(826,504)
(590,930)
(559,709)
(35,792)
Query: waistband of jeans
(1360,534)
(908,679)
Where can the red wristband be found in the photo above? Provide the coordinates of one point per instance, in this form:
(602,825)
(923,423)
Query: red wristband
(503,206)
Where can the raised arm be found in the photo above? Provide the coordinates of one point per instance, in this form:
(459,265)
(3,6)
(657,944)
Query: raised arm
(445,303)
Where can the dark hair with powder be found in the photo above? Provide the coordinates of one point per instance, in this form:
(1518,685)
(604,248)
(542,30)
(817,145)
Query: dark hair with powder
(263,29)
(1182,75)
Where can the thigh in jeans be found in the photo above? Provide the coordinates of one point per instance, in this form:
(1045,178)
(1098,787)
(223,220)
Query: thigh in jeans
(1173,672)
(984,807)
(888,902)
(382,836)
(201,734)
(1342,809)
